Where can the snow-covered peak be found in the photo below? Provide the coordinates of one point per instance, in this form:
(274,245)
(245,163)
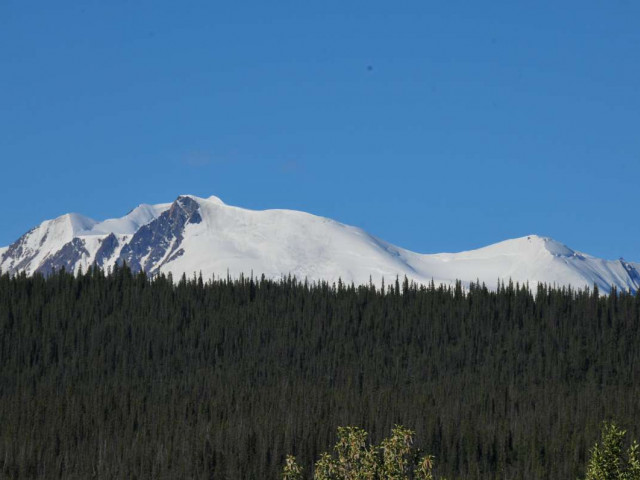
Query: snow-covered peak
(216,200)
(552,246)
(212,200)
(131,222)
(61,229)
(70,224)
(35,246)
(194,234)
(529,245)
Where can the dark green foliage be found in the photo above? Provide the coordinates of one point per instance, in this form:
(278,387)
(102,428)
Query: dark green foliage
(119,376)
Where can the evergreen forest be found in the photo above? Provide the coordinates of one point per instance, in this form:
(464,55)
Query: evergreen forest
(119,375)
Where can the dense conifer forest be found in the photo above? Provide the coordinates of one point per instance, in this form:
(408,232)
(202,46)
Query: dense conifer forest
(122,376)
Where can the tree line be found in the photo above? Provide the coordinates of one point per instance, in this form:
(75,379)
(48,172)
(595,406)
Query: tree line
(118,375)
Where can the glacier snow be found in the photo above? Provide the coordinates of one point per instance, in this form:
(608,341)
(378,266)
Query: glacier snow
(195,235)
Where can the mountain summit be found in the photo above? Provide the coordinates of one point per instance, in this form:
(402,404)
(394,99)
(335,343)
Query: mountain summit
(193,235)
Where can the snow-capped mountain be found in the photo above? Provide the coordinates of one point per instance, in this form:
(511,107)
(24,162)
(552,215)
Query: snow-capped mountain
(193,235)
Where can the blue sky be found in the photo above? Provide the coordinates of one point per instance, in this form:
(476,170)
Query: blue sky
(438,126)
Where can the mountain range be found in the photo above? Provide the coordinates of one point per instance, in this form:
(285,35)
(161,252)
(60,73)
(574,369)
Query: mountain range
(195,235)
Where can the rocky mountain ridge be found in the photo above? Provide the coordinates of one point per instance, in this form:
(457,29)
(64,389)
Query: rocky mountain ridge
(197,235)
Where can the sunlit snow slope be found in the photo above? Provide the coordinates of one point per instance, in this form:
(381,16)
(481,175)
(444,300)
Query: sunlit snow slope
(193,235)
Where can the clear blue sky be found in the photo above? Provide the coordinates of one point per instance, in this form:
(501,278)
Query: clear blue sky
(438,126)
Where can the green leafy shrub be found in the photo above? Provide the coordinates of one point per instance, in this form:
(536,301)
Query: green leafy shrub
(607,461)
(353,459)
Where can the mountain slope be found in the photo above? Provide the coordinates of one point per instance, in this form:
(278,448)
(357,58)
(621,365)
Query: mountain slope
(194,235)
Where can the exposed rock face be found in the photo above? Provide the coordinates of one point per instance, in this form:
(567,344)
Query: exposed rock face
(107,248)
(159,241)
(66,257)
(632,271)
(18,255)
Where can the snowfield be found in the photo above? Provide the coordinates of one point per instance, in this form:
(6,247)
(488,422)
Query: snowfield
(198,235)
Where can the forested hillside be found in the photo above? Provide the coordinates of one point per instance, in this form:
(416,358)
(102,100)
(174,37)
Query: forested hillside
(122,376)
